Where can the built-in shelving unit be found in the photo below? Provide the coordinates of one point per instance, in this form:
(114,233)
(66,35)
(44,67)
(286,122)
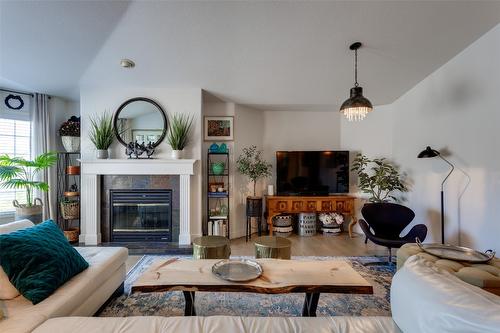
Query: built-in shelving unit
(218,195)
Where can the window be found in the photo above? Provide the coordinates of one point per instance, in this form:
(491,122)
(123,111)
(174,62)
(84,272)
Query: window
(14,141)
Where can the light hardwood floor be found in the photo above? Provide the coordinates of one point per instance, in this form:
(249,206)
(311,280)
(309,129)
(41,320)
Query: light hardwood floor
(318,245)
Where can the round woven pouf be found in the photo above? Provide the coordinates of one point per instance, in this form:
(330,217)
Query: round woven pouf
(211,247)
(283,225)
(272,247)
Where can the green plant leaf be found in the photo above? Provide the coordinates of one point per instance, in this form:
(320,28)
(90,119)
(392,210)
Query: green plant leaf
(101,131)
(179,130)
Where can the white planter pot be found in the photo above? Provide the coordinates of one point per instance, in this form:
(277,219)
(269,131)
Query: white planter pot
(33,213)
(71,143)
(176,154)
(102,154)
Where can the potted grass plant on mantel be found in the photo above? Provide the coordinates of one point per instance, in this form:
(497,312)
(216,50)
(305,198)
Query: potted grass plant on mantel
(102,134)
(179,132)
(19,173)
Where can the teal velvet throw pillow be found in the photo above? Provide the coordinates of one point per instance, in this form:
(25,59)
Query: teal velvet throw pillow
(38,260)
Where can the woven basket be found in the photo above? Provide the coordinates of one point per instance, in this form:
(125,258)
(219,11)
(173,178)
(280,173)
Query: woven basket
(70,210)
(72,234)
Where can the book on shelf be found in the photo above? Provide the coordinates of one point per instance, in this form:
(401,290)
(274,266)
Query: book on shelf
(217,228)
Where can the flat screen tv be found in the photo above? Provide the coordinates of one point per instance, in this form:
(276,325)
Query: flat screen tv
(312,172)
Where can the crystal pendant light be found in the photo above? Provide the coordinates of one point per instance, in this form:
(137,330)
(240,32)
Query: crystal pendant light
(357,106)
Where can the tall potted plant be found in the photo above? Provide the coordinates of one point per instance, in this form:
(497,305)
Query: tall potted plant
(102,134)
(251,164)
(70,134)
(19,173)
(179,131)
(379,178)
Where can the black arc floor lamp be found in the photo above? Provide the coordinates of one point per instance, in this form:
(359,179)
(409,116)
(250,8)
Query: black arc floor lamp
(428,153)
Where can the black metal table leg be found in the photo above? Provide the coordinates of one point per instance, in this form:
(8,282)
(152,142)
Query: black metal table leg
(310,305)
(189,309)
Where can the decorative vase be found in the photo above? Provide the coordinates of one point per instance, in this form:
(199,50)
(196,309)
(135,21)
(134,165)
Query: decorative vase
(218,168)
(71,143)
(214,148)
(176,154)
(223,148)
(33,213)
(102,154)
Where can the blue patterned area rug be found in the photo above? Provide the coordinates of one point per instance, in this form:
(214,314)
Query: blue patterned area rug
(257,305)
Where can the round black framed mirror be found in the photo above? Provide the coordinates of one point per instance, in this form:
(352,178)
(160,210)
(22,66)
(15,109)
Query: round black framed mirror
(140,120)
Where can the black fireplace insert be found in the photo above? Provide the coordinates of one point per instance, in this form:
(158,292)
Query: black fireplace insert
(141,215)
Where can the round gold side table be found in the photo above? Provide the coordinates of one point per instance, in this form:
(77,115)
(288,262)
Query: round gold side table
(211,247)
(272,247)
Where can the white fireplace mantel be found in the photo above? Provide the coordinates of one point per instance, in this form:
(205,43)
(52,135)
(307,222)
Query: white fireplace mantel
(91,171)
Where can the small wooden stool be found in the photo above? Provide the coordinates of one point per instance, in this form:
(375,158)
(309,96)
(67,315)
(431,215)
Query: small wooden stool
(211,247)
(272,247)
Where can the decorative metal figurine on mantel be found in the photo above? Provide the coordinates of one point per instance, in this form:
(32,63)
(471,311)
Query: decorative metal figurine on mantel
(135,149)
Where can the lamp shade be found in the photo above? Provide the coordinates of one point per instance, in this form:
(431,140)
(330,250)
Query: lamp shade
(356,107)
(428,153)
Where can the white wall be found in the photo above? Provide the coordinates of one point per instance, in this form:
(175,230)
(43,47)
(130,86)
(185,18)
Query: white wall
(95,100)
(60,110)
(249,131)
(300,130)
(454,110)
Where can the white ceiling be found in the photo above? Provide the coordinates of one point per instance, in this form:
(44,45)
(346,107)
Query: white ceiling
(272,55)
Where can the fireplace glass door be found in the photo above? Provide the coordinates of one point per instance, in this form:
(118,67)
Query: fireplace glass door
(141,215)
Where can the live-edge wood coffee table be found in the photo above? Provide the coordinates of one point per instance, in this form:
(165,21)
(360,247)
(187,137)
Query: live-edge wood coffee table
(279,277)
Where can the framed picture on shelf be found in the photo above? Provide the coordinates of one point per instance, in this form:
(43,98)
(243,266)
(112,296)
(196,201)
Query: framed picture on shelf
(219,128)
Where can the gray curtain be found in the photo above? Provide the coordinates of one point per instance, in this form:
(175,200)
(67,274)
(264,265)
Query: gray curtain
(41,132)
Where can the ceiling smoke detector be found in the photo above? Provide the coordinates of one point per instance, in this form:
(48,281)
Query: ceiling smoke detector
(127,63)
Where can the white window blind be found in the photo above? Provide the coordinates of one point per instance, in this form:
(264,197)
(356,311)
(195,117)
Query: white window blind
(14,141)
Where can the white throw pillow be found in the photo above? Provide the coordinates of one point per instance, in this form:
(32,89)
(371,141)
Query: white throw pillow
(7,289)
(427,299)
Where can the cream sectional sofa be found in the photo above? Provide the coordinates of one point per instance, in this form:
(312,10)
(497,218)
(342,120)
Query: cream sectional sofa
(83,295)
(424,299)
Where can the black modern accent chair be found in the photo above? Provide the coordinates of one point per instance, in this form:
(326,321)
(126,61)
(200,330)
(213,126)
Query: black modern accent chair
(383,223)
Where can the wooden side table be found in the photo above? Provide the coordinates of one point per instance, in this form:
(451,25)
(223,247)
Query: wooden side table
(211,247)
(272,247)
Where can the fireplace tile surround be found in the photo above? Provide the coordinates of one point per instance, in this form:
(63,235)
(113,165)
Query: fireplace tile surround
(92,176)
(138,182)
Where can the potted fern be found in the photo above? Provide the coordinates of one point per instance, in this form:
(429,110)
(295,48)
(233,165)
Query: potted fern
(102,134)
(179,131)
(19,173)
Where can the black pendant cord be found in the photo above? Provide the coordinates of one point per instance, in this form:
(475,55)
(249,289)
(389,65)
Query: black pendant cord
(356,84)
